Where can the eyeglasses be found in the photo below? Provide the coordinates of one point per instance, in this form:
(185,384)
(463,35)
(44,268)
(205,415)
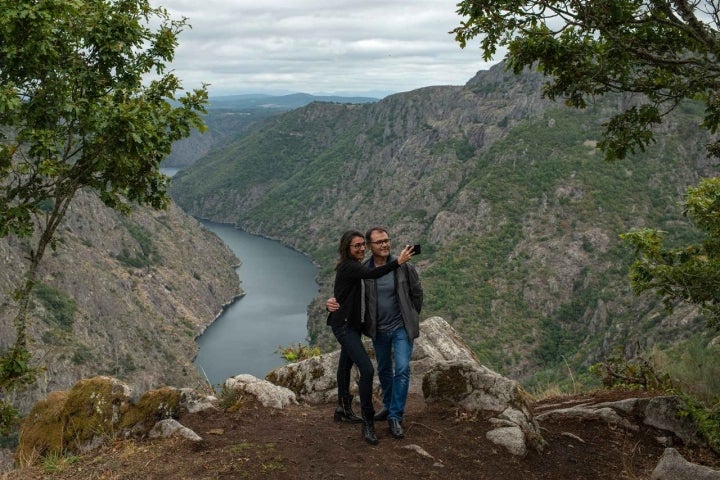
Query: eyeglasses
(358,245)
(385,241)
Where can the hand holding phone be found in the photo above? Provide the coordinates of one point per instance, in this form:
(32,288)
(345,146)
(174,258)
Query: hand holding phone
(417,249)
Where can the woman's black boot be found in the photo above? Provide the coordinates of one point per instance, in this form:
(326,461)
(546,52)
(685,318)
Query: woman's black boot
(344,413)
(368,427)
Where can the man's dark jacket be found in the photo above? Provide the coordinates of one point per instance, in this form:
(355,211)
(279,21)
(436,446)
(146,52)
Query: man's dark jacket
(409,294)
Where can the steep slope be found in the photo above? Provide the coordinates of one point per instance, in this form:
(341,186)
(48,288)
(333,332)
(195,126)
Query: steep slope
(518,214)
(121,296)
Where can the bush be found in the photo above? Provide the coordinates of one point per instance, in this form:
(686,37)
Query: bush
(296,353)
(634,374)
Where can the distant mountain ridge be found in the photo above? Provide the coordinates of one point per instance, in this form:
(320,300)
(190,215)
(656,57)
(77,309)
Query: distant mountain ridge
(287,102)
(230,115)
(518,214)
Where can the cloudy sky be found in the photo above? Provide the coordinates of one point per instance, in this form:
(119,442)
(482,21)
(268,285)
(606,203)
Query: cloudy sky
(365,47)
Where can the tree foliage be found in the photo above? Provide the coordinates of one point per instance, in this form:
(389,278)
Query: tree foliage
(86,101)
(690,273)
(666,51)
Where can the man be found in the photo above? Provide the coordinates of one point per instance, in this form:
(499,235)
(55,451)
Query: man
(392,320)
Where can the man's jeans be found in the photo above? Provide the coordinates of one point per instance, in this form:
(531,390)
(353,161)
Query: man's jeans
(395,346)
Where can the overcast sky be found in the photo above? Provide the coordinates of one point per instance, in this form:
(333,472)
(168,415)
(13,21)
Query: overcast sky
(362,47)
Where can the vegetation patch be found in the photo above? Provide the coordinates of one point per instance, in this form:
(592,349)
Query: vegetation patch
(145,255)
(153,406)
(60,307)
(297,353)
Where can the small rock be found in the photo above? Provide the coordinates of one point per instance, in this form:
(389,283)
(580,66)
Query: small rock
(673,466)
(573,436)
(418,449)
(169,427)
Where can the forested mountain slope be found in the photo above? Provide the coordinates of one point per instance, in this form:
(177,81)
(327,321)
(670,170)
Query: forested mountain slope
(518,213)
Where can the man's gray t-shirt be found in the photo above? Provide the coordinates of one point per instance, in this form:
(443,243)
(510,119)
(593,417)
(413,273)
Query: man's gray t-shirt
(389,314)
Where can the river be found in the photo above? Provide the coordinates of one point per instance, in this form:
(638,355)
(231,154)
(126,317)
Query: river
(279,284)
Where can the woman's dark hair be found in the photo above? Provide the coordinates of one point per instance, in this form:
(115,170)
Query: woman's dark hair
(344,247)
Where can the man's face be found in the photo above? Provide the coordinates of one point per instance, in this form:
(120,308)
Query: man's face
(357,248)
(379,244)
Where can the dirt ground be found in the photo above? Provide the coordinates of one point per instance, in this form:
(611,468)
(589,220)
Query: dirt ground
(303,442)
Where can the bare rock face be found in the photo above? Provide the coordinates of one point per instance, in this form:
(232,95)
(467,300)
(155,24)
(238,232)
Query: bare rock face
(134,293)
(666,413)
(438,342)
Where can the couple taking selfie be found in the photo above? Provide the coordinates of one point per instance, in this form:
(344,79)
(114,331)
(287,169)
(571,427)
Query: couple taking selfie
(380,297)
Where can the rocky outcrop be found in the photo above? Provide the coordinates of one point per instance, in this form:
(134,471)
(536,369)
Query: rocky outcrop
(443,369)
(479,390)
(665,413)
(313,380)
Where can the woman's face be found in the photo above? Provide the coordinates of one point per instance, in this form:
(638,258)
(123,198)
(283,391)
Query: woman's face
(357,248)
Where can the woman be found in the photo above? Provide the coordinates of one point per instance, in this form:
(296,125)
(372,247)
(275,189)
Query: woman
(346,325)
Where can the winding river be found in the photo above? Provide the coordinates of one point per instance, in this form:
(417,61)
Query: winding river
(279,284)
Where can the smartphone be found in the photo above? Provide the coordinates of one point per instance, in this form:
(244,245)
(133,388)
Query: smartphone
(417,250)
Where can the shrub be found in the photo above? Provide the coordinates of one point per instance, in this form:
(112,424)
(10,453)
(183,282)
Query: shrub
(296,353)
(634,374)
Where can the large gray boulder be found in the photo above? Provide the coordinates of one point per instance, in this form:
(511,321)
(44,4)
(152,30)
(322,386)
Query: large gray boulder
(314,380)
(268,394)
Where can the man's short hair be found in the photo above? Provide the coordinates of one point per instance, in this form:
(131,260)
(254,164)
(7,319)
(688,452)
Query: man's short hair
(368,234)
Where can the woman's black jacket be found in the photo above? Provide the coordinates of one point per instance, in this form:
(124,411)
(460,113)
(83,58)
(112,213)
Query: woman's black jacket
(348,291)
